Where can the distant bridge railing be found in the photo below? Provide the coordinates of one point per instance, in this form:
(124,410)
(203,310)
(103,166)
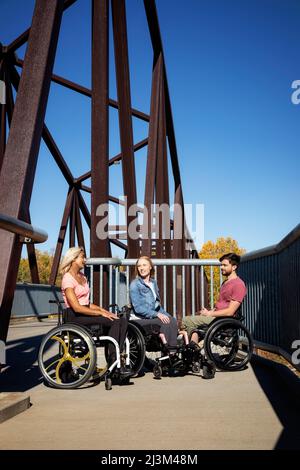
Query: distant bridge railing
(27,234)
(183,282)
(272,305)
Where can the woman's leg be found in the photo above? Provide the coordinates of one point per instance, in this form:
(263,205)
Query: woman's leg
(170,330)
(115,328)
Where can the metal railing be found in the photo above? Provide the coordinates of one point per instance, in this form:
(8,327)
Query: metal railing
(188,281)
(272,304)
(27,234)
(28,231)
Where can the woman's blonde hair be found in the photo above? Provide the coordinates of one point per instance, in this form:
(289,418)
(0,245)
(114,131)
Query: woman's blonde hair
(69,257)
(151,266)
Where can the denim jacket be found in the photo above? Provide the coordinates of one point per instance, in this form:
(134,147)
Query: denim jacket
(142,298)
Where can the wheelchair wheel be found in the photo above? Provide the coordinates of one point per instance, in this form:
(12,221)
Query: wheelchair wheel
(137,348)
(67,356)
(228,344)
(209,370)
(157,371)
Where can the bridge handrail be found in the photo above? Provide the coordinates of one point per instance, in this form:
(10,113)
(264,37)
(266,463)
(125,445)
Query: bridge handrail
(176,280)
(11,224)
(156,262)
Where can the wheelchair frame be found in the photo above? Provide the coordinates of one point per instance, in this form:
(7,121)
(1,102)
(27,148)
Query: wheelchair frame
(223,348)
(76,354)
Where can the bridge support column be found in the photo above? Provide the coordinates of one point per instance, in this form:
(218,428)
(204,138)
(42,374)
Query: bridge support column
(20,158)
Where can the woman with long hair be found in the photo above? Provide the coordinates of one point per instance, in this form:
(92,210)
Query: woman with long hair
(145,299)
(76,295)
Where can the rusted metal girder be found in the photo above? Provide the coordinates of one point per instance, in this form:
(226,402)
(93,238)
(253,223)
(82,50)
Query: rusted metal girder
(16,180)
(178,243)
(2,115)
(125,121)
(161,134)
(163,242)
(87,92)
(152,156)
(20,40)
(35,278)
(100,138)
(61,236)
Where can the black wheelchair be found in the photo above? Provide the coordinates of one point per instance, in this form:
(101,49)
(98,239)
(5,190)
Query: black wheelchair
(70,354)
(225,344)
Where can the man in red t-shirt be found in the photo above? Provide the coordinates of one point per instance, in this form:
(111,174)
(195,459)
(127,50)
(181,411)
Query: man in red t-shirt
(232,293)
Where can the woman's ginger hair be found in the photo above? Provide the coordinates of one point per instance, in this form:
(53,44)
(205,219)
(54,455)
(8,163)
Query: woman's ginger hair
(149,261)
(69,257)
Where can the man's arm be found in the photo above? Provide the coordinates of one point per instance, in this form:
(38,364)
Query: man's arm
(225,312)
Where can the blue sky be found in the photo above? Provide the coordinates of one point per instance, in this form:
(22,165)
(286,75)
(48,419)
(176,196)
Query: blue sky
(230,66)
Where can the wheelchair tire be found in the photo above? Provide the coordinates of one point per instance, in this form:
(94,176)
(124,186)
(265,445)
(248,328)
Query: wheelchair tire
(157,371)
(196,367)
(209,370)
(67,356)
(228,344)
(108,383)
(137,348)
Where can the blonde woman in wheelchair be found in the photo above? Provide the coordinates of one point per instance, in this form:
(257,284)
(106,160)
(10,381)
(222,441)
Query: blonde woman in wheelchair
(76,295)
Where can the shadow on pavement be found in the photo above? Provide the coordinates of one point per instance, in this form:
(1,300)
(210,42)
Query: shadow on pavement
(282,388)
(21,373)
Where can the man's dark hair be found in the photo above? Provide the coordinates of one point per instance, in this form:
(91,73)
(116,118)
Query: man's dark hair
(233,259)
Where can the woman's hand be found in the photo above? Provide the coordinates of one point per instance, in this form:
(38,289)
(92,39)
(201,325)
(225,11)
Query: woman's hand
(111,316)
(163,318)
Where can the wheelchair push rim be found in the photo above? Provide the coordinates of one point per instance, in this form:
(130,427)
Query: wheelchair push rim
(229,345)
(67,356)
(137,348)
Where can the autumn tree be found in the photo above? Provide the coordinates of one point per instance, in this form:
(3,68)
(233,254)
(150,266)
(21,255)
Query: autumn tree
(214,250)
(44,262)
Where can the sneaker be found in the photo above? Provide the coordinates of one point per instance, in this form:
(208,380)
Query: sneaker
(125,372)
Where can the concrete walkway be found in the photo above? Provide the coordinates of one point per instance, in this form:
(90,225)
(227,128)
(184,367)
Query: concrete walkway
(230,412)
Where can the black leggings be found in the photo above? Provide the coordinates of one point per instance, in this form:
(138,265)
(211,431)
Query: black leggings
(117,329)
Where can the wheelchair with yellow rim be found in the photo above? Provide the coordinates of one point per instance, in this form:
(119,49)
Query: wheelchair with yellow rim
(70,355)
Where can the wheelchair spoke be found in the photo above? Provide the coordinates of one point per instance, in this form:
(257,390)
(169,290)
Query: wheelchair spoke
(51,365)
(61,361)
(75,360)
(61,341)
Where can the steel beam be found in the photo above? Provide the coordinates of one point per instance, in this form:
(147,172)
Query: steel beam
(20,40)
(152,156)
(16,180)
(87,92)
(61,236)
(33,266)
(100,137)
(78,223)
(125,121)
(47,137)
(143,143)
(2,116)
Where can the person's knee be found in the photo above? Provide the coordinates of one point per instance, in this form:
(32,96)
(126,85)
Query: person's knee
(187,322)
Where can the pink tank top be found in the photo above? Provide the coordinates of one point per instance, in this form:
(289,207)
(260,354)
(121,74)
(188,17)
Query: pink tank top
(82,291)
